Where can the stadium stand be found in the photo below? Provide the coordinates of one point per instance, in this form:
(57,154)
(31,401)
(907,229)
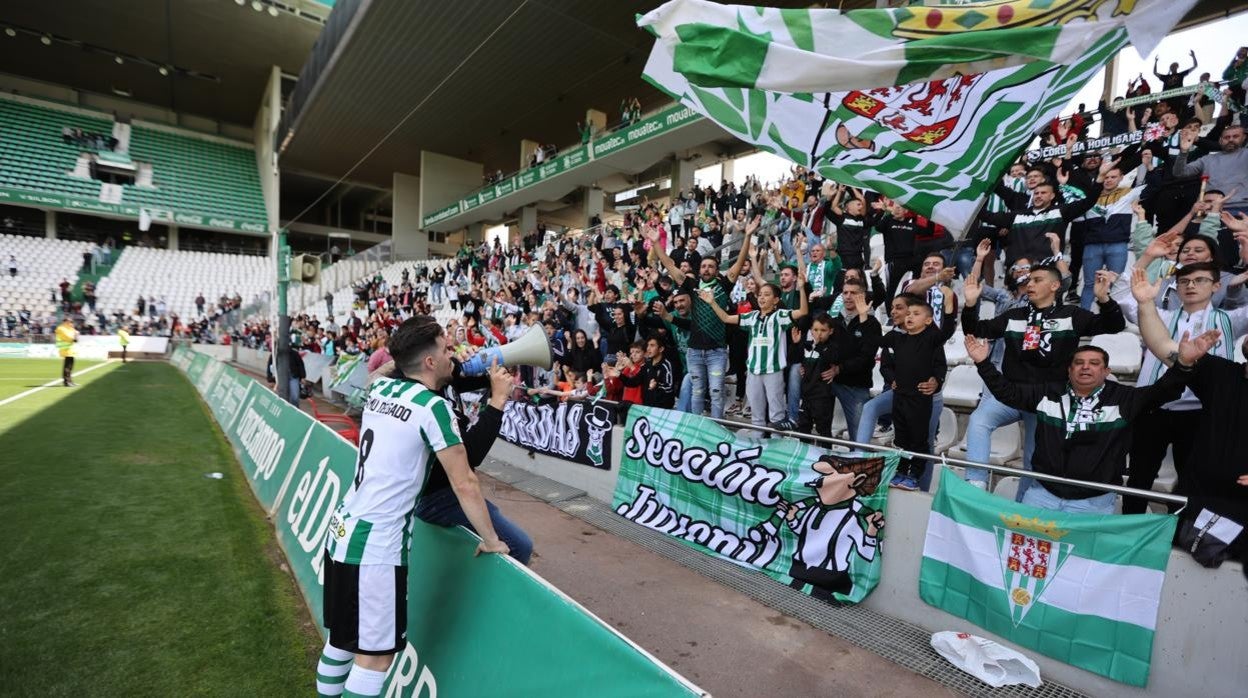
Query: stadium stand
(179,277)
(41,265)
(180,172)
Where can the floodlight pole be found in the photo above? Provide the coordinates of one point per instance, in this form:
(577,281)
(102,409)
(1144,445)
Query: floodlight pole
(281,336)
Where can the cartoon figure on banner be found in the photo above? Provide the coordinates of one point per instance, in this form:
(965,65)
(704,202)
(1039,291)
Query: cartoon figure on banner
(833,524)
(597,423)
(908,117)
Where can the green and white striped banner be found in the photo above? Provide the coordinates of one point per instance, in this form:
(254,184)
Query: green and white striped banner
(1081,588)
(922,104)
(805,517)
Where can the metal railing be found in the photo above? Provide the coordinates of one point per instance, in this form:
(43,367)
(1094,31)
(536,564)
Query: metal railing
(945,460)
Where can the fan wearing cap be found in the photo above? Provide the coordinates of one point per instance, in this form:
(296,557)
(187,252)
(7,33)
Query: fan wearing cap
(1040,338)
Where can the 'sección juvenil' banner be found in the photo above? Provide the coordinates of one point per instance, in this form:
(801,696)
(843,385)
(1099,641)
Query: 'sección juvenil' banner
(808,518)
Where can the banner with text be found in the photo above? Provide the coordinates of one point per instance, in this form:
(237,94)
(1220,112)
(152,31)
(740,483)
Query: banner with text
(539,641)
(807,518)
(575,431)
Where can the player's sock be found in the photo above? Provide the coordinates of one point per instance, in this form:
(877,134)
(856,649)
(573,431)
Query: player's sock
(331,671)
(364,682)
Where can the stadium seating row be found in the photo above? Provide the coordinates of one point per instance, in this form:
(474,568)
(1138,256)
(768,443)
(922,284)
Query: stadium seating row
(190,173)
(179,277)
(42,264)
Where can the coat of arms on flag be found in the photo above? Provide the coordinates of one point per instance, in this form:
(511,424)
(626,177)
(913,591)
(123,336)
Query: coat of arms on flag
(1028,564)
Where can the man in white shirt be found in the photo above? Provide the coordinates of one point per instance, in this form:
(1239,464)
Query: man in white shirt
(1175,424)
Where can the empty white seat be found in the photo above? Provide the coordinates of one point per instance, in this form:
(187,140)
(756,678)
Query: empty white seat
(947,433)
(962,386)
(1125,352)
(955,350)
(1007,444)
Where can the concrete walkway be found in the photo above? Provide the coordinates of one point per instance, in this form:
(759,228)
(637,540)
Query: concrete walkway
(722,640)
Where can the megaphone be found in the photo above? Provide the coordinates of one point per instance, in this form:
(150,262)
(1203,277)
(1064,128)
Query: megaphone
(532,349)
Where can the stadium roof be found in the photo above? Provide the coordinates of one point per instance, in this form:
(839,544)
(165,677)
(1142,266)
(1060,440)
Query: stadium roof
(221,51)
(533,79)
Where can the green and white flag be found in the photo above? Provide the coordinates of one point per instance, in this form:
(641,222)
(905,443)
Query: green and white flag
(1081,588)
(926,105)
(807,518)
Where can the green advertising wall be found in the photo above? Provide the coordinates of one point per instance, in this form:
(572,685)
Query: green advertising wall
(477,626)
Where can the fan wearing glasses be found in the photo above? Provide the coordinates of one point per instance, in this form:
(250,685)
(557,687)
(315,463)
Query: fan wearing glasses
(1176,423)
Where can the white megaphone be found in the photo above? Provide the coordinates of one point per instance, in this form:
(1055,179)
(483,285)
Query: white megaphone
(532,349)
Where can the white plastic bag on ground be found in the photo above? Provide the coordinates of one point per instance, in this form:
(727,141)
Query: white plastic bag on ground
(986,660)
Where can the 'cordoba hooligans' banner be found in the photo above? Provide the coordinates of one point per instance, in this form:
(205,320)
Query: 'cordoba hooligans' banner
(926,105)
(1080,588)
(805,517)
(576,431)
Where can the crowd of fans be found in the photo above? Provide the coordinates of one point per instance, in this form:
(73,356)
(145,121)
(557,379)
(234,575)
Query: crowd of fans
(767,302)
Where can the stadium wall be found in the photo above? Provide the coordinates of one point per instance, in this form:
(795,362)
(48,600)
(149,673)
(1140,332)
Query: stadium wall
(1197,649)
(535,639)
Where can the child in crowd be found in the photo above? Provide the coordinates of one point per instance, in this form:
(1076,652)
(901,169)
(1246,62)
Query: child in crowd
(816,389)
(765,360)
(913,364)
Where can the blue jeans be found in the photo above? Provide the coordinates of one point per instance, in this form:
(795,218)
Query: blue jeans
(684,397)
(964,259)
(1042,498)
(706,370)
(794,388)
(442,508)
(992,414)
(852,399)
(1111,255)
(292,391)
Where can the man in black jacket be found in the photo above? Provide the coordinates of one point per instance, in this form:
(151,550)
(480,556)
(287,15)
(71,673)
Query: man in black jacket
(1040,339)
(857,339)
(1029,224)
(1083,427)
(438,504)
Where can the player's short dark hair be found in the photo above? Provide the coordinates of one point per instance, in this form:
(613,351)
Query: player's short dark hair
(413,339)
(856,283)
(1086,348)
(822,319)
(911,299)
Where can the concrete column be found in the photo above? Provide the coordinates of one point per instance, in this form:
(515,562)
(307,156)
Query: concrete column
(593,203)
(1111,79)
(444,180)
(410,240)
(527,147)
(729,170)
(528,220)
(598,119)
(173,237)
(682,177)
(49,224)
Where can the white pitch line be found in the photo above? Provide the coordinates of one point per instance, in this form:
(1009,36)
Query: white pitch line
(49,384)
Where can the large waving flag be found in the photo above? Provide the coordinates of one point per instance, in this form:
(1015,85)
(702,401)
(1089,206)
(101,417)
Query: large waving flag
(926,105)
(1081,588)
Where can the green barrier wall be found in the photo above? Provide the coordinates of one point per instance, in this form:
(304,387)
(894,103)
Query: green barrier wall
(476,626)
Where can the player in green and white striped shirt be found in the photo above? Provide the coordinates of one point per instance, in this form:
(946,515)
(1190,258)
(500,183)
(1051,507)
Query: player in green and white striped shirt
(405,425)
(766,360)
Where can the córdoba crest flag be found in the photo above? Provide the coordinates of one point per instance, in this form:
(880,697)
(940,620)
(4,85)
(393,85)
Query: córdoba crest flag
(1081,588)
(926,105)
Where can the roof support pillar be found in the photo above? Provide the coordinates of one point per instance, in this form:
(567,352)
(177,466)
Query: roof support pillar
(410,242)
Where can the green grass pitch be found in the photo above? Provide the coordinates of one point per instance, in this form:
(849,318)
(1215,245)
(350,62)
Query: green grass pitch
(126,571)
